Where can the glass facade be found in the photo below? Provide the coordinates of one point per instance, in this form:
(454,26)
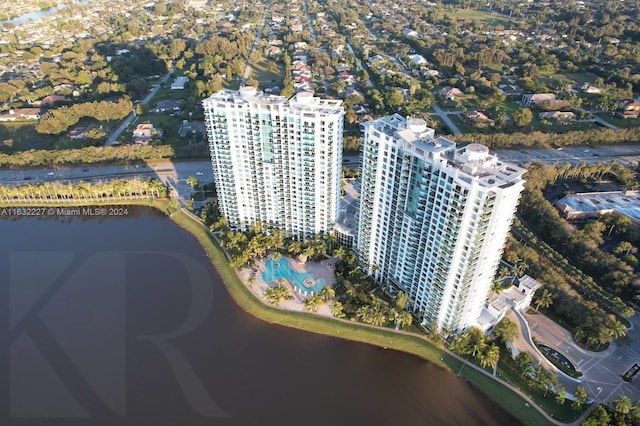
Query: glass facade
(276,161)
(433,219)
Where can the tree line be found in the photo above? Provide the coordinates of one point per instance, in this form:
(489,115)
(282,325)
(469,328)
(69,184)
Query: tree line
(88,155)
(546,140)
(116,189)
(58,120)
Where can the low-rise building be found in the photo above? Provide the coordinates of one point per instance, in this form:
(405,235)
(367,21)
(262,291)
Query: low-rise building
(530,99)
(143,133)
(179,82)
(595,204)
(560,117)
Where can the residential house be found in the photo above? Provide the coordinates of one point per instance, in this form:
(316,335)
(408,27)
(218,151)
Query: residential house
(143,133)
(478,117)
(530,99)
(166,106)
(272,51)
(49,100)
(418,60)
(453,94)
(560,117)
(179,82)
(22,114)
(511,90)
(629,108)
(296,27)
(80,132)
(589,88)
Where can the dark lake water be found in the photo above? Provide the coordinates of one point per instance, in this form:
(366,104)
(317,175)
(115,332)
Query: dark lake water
(122,321)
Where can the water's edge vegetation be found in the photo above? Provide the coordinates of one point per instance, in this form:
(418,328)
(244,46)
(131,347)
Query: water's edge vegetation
(525,411)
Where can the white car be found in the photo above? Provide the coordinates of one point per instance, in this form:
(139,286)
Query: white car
(51,174)
(199,173)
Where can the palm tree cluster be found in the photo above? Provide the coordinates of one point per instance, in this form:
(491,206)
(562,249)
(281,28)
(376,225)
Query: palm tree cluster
(245,247)
(540,379)
(621,412)
(474,343)
(275,295)
(315,249)
(313,303)
(117,189)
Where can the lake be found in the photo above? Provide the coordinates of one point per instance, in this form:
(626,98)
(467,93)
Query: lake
(38,14)
(122,320)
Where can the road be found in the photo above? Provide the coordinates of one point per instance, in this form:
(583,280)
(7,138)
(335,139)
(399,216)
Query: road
(174,174)
(627,155)
(445,117)
(113,136)
(256,41)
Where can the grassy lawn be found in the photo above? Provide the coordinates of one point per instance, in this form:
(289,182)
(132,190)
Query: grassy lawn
(260,71)
(357,332)
(440,128)
(618,121)
(486,18)
(581,77)
(509,372)
(22,136)
(508,106)
(462,124)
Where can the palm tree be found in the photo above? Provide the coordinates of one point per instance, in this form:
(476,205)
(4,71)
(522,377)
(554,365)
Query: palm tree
(340,252)
(581,397)
(295,248)
(327,293)
(506,330)
(489,357)
(373,314)
(403,319)
(272,296)
(276,257)
(496,287)
(193,181)
(622,404)
(331,241)
(616,329)
(251,280)
(336,310)
(477,341)
(313,303)
(524,360)
(401,300)
(561,394)
(545,299)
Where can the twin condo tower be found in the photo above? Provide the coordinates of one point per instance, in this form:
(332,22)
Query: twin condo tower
(432,219)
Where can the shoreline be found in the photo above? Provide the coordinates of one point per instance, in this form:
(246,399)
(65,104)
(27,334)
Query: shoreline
(505,395)
(511,399)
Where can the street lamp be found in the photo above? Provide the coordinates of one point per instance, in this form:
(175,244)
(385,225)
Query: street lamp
(599,388)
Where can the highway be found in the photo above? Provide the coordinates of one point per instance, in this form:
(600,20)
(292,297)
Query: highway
(174,174)
(627,154)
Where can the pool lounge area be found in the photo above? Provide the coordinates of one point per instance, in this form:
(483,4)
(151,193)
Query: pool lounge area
(303,282)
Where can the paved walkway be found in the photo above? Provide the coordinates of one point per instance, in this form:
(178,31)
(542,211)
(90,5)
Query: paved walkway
(445,117)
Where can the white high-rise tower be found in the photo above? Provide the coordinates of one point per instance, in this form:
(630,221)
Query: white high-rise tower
(433,219)
(276,161)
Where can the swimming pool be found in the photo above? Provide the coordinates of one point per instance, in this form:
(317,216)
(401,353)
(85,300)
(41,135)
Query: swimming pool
(302,281)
